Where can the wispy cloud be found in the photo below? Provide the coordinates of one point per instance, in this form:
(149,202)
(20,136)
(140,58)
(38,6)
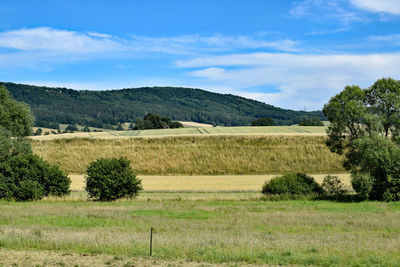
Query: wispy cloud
(302,80)
(325,10)
(386,6)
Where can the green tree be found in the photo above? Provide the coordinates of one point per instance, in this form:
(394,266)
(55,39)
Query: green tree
(263,122)
(14,116)
(365,127)
(310,122)
(110,179)
(24,176)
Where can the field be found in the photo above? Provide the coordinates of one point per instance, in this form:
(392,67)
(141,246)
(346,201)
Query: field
(203,183)
(202,196)
(235,232)
(195,129)
(197,155)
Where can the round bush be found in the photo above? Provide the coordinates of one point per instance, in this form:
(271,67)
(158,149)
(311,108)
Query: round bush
(292,183)
(28,177)
(110,179)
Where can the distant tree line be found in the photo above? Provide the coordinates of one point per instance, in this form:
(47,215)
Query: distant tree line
(108,109)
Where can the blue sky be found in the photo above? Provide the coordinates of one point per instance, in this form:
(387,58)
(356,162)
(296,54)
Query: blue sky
(292,54)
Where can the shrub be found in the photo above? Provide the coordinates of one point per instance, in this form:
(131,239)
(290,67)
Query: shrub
(292,183)
(362,183)
(28,177)
(333,186)
(110,179)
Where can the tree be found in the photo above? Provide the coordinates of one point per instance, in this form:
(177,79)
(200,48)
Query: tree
(155,121)
(263,122)
(310,122)
(24,176)
(365,127)
(14,116)
(71,127)
(86,129)
(110,179)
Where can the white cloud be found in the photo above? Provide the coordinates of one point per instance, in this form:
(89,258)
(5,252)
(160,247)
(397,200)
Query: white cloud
(386,6)
(392,39)
(34,46)
(303,80)
(53,40)
(325,10)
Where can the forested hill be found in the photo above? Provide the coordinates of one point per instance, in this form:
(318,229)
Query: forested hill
(105,108)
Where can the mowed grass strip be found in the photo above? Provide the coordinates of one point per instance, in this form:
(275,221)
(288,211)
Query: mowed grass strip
(317,233)
(197,155)
(203,183)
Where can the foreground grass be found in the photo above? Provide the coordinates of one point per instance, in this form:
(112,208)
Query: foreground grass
(289,232)
(191,155)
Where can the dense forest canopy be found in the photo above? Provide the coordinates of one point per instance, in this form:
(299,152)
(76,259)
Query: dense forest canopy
(104,109)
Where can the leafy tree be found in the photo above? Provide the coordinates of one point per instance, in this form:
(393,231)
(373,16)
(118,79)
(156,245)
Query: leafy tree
(365,126)
(71,127)
(155,121)
(110,179)
(14,116)
(263,122)
(131,126)
(24,176)
(38,131)
(86,129)
(310,122)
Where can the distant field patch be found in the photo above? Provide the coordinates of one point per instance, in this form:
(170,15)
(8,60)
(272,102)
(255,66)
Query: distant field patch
(245,130)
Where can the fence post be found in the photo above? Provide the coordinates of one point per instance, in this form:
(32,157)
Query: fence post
(151,241)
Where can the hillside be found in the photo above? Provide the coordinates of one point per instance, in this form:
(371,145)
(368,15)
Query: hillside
(103,109)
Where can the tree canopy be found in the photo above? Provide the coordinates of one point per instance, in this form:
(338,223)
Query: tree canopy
(365,126)
(14,116)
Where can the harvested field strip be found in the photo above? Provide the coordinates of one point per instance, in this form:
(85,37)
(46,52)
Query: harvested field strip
(203,183)
(197,155)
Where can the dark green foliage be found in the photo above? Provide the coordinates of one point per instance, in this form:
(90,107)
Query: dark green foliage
(14,116)
(365,126)
(131,126)
(155,121)
(119,127)
(263,122)
(101,109)
(292,183)
(111,179)
(86,129)
(28,177)
(71,127)
(311,122)
(38,131)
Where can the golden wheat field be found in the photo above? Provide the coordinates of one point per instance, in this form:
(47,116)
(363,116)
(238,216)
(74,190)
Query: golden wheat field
(197,155)
(202,183)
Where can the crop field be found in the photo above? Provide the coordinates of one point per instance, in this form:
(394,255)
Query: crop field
(195,129)
(234,232)
(203,183)
(197,155)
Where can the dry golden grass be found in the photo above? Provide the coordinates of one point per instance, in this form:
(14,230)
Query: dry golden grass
(206,183)
(197,155)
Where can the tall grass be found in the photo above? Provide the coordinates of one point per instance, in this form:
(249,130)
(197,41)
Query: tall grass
(193,155)
(315,233)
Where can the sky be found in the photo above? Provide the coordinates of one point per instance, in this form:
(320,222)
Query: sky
(291,54)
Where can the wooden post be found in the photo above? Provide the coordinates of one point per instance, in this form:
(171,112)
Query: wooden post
(151,241)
